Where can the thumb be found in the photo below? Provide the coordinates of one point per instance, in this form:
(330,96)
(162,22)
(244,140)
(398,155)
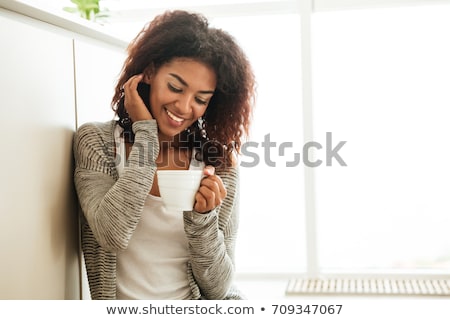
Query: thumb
(209,170)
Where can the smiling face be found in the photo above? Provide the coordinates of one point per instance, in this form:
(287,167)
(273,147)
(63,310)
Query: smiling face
(180,93)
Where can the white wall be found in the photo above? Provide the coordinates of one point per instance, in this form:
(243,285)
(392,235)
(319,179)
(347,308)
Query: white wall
(38,212)
(97,70)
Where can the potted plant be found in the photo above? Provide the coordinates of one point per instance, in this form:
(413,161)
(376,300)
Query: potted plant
(87,9)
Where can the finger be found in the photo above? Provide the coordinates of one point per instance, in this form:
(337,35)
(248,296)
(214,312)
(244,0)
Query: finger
(216,184)
(211,192)
(130,87)
(208,198)
(133,82)
(200,203)
(209,170)
(134,104)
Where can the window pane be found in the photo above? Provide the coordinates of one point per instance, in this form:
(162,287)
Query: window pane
(381,83)
(271,234)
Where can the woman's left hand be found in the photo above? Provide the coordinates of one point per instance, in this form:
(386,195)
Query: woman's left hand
(211,192)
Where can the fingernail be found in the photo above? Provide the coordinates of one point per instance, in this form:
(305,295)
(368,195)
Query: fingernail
(209,170)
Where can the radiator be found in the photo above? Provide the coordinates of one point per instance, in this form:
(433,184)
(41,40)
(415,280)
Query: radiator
(369,286)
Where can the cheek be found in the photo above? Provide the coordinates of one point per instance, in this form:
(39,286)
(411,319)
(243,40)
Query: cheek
(156,101)
(152,110)
(199,111)
(156,92)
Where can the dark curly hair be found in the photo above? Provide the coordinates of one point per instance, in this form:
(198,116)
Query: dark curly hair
(181,34)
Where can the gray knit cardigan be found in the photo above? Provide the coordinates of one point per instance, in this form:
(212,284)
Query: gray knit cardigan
(112,206)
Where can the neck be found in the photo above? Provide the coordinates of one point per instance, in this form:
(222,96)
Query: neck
(166,142)
(172,155)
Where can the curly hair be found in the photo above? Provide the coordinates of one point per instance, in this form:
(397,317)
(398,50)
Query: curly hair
(181,34)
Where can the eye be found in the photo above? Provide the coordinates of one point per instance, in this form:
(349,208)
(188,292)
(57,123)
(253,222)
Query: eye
(173,88)
(201,101)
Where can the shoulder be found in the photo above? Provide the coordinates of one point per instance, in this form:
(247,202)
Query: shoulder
(94,137)
(94,131)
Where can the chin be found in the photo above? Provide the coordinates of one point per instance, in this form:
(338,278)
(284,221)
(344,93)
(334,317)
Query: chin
(170,133)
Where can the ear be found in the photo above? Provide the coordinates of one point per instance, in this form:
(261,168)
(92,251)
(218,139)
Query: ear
(147,79)
(148,74)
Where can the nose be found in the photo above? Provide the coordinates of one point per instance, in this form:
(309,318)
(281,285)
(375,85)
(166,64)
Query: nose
(184,104)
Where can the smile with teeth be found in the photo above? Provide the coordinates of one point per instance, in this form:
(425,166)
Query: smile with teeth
(174,117)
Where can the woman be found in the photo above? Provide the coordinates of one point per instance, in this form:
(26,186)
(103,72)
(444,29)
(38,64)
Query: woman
(183,100)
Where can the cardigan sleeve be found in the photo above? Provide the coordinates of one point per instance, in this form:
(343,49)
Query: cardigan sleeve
(112,206)
(212,239)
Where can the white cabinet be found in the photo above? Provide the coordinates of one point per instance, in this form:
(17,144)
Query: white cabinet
(97,69)
(42,89)
(38,233)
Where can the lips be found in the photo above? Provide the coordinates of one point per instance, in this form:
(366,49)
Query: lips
(174,121)
(174,117)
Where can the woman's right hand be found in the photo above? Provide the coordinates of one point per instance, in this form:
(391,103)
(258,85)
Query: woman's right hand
(134,104)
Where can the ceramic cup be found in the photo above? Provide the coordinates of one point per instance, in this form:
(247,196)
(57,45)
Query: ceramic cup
(178,188)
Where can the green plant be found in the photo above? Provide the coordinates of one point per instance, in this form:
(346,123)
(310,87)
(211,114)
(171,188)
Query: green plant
(87,9)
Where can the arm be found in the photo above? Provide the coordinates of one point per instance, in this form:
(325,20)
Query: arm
(111,206)
(212,239)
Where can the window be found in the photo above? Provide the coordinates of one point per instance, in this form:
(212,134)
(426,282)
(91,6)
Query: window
(381,79)
(380,87)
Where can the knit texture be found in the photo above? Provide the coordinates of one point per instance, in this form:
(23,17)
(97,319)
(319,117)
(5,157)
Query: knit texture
(111,208)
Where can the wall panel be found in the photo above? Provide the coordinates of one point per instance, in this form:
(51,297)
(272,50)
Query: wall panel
(38,222)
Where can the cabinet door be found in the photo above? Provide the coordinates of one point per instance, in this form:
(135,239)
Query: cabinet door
(97,67)
(38,217)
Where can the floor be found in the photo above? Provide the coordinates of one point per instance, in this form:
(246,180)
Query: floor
(256,289)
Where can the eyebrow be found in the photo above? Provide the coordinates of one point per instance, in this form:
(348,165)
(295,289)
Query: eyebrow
(186,85)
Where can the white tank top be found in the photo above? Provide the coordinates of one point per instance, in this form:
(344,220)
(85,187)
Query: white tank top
(154,265)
